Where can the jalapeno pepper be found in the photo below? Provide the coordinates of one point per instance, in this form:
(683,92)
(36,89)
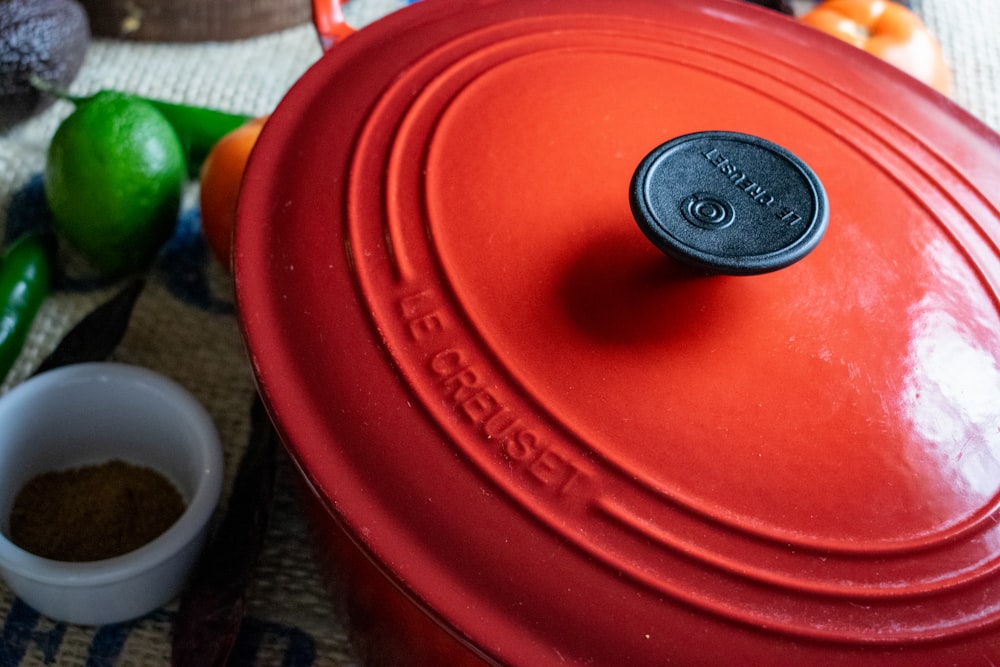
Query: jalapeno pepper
(25,276)
(198,128)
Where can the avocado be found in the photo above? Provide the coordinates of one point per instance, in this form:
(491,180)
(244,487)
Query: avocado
(44,38)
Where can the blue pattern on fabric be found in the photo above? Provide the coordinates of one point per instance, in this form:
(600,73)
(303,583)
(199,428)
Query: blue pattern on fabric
(183,264)
(21,632)
(28,211)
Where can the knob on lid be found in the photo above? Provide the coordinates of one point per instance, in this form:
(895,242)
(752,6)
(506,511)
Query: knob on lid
(729,202)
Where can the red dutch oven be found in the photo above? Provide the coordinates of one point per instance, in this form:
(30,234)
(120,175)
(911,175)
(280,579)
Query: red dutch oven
(642,332)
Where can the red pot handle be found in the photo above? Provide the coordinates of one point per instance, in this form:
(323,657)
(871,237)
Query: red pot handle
(328,17)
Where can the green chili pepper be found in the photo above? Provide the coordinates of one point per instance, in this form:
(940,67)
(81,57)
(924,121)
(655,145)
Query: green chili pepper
(25,275)
(198,128)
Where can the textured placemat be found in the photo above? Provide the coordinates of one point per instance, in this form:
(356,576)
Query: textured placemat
(184,325)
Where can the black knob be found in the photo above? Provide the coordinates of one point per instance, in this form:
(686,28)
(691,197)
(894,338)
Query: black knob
(729,202)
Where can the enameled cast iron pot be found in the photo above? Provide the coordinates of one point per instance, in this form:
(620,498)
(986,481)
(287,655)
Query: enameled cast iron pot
(559,445)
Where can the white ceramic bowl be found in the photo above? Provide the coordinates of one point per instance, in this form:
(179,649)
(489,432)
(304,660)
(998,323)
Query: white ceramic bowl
(90,413)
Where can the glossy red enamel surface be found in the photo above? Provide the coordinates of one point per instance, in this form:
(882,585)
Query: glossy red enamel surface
(567,447)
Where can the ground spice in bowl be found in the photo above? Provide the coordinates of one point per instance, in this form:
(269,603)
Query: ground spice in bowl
(93,512)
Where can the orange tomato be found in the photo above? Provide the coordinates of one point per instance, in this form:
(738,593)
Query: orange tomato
(221,176)
(888,30)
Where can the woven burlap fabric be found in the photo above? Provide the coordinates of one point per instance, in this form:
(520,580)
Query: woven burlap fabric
(189,334)
(184,327)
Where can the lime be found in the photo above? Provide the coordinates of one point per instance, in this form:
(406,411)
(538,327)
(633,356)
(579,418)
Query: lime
(113,180)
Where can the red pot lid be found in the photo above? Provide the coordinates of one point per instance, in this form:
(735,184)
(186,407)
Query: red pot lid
(569,446)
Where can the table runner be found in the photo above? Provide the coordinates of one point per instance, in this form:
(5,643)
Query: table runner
(184,324)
